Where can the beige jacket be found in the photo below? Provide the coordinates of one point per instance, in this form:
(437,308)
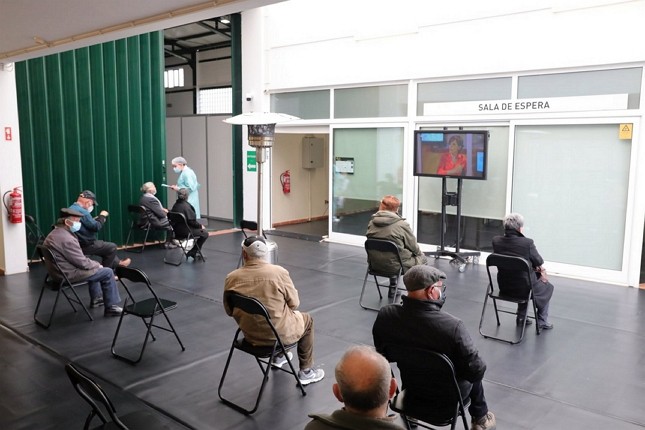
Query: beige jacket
(272,286)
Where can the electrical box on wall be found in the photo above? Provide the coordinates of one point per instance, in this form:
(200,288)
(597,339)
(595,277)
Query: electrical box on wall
(312,152)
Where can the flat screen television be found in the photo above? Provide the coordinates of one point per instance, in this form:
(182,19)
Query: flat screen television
(451,153)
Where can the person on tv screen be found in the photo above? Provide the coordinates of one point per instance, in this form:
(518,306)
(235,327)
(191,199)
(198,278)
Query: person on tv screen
(453,162)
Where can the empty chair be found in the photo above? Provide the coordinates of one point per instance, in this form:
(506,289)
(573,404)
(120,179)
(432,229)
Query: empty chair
(246,226)
(430,391)
(263,354)
(103,408)
(518,293)
(35,236)
(138,222)
(381,246)
(178,219)
(57,281)
(147,309)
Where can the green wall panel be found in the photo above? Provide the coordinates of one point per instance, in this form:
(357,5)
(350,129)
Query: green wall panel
(92,118)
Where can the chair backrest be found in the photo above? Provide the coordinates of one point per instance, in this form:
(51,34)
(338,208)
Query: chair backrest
(53,268)
(429,381)
(251,306)
(251,226)
(93,394)
(34,233)
(383,257)
(134,276)
(139,215)
(513,274)
(179,224)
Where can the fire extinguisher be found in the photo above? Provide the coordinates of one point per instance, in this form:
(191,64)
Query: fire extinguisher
(15,205)
(285,180)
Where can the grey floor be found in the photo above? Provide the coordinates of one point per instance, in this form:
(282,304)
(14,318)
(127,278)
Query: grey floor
(587,373)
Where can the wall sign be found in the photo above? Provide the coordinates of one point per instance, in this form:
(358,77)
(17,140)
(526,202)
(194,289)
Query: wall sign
(524,106)
(251,161)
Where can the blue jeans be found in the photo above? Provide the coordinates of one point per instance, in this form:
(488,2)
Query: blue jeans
(102,284)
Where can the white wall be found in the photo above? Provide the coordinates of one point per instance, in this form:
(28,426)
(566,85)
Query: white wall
(309,187)
(339,42)
(13,239)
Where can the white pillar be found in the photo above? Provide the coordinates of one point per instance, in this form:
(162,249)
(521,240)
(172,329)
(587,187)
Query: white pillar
(13,238)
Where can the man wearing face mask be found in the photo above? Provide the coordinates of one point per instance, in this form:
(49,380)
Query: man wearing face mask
(187,179)
(90,226)
(419,322)
(78,267)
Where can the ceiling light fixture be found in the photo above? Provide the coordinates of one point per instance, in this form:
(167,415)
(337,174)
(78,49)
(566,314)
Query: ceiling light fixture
(225,20)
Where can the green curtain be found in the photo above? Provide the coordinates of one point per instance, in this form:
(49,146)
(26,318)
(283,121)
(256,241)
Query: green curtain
(92,118)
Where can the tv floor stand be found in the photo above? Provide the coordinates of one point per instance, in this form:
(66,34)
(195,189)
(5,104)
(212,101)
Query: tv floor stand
(452,199)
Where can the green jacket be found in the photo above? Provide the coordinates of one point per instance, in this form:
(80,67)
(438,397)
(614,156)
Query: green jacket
(341,419)
(390,226)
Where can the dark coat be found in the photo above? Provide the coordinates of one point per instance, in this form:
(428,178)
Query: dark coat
(390,226)
(183,207)
(516,244)
(154,209)
(422,324)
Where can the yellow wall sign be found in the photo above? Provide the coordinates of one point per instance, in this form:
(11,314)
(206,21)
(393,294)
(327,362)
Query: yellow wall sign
(625,131)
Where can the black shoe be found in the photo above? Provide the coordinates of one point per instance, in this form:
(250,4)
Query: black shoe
(546,326)
(520,321)
(391,292)
(96,302)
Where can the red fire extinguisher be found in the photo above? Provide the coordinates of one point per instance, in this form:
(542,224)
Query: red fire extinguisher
(285,180)
(15,205)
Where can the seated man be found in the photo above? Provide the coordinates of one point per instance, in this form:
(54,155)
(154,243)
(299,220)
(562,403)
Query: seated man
(387,224)
(77,267)
(90,227)
(364,383)
(183,207)
(419,322)
(271,285)
(514,243)
(156,212)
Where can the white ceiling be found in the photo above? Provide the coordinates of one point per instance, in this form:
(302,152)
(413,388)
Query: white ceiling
(33,28)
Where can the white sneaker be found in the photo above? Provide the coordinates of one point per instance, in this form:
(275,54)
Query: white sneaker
(280,360)
(310,376)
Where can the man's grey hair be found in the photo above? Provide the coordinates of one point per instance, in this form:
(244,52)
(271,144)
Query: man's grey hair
(373,390)
(513,221)
(147,186)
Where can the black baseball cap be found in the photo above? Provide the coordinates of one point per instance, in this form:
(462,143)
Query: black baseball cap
(89,195)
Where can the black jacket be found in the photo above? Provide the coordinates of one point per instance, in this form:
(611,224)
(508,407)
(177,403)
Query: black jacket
(516,244)
(422,324)
(183,207)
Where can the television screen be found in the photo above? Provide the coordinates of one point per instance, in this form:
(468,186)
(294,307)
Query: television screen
(450,153)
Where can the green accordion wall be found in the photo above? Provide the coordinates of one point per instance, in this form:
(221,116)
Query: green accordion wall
(92,118)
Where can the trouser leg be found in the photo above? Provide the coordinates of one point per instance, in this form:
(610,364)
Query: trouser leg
(103,279)
(478,407)
(105,250)
(306,343)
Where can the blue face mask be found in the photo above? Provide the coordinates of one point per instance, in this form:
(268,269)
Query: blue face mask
(177,170)
(76,226)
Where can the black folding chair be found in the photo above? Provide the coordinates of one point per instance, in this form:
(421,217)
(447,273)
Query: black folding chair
(35,236)
(139,221)
(379,249)
(57,281)
(103,408)
(178,219)
(264,355)
(146,309)
(430,392)
(518,294)
(244,227)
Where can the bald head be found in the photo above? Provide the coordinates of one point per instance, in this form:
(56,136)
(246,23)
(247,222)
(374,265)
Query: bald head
(363,379)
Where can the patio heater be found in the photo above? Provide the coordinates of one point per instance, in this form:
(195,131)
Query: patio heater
(261,129)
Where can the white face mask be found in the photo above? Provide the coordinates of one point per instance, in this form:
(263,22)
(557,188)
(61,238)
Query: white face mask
(91,208)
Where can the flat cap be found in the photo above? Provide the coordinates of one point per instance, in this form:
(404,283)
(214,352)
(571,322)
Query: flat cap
(67,212)
(422,276)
